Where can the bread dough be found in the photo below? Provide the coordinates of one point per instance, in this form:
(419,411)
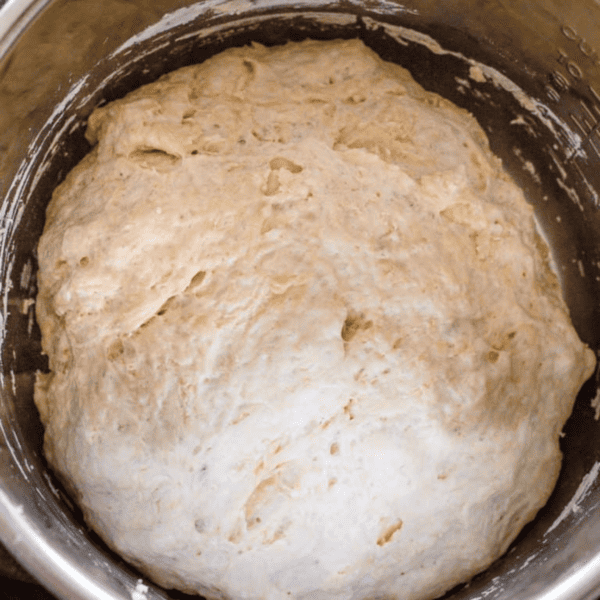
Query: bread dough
(303,337)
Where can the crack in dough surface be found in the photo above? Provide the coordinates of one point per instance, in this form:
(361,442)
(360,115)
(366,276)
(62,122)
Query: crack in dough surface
(303,336)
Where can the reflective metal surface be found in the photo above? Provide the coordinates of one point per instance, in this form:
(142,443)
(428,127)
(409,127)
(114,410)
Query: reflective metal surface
(528,70)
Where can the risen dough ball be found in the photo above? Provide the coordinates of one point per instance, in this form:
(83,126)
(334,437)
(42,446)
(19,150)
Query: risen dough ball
(303,337)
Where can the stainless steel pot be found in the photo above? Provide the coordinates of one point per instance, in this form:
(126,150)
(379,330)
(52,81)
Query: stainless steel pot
(529,70)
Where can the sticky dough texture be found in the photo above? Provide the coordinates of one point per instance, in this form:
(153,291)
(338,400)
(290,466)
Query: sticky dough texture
(303,337)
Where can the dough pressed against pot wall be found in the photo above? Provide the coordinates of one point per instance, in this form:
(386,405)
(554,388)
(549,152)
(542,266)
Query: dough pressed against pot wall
(303,336)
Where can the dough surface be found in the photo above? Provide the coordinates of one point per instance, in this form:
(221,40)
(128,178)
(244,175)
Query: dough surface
(303,337)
